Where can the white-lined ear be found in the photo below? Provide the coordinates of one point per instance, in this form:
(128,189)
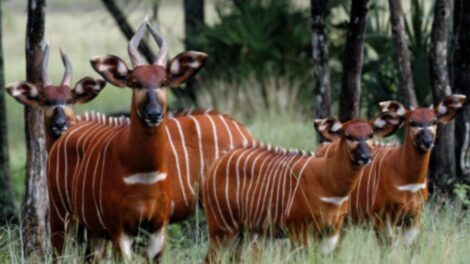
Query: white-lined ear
(329,128)
(24,92)
(112,68)
(87,89)
(393,106)
(184,66)
(386,123)
(448,108)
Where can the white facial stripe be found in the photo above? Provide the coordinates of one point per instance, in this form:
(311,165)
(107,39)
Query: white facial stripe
(412,187)
(334,200)
(147,178)
(122,69)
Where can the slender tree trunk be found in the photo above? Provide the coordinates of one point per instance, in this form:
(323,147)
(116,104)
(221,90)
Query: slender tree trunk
(193,22)
(461,84)
(126,29)
(352,61)
(319,11)
(403,61)
(442,165)
(7,208)
(35,203)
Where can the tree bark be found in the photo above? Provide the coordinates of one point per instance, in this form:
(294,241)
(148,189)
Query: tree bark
(322,86)
(7,208)
(442,165)
(35,203)
(126,29)
(193,22)
(352,61)
(461,84)
(403,60)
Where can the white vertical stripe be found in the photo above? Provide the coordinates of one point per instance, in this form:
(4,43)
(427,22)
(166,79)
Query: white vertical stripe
(227,183)
(298,183)
(253,166)
(103,165)
(240,131)
(216,140)
(265,186)
(186,157)
(273,189)
(201,152)
(216,199)
(178,169)
(243,208)
(228,130)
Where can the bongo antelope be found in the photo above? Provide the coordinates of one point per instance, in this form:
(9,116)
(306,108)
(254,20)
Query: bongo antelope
(57,100)
(111,175)
(393,188)
(271,191)
(195,140)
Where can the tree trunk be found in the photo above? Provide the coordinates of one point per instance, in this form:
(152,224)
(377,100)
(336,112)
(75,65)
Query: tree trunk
(7,208)
(442,165)
(403,61)
(193,22)
(352,61)
(319,11)
(35,203)
(461,84)
(126,29)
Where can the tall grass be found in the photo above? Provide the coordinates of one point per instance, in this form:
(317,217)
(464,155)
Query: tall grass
(444,239)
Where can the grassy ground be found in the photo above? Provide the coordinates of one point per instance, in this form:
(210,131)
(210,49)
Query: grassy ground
(87,30)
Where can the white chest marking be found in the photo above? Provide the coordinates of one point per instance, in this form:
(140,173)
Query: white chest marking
(335,200)
(412,187)
(146,178)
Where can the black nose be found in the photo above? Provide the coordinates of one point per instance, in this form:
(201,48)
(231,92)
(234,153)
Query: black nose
(60,123)
(365,157)
(427,140)
(154,115)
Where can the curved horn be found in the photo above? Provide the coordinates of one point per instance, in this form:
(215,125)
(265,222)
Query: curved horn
(162,44)
(45,60)
(132,48)
(67,79)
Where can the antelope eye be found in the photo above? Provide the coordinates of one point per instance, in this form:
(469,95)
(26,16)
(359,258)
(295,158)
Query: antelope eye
(371,135)
(434,122)
(349,137)
(413,123)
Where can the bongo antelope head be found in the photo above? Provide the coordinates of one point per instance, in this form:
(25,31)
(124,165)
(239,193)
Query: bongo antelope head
(148,82)
(357,134)
(57,100)
(421,123)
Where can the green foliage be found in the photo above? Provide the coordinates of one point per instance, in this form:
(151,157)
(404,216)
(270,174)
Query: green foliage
(462,192)
(258,39)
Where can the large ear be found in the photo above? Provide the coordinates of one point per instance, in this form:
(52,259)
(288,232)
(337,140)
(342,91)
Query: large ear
(87,89)
(329,128)
(386,123)
(393,107)
(24,92)
(112,68)
(448,108)
(184,66)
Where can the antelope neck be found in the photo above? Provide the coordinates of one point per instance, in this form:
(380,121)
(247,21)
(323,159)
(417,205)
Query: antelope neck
(145,146)
(412,164)
(341,175)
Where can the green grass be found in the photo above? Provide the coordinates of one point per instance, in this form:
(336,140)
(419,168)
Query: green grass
(444,239)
